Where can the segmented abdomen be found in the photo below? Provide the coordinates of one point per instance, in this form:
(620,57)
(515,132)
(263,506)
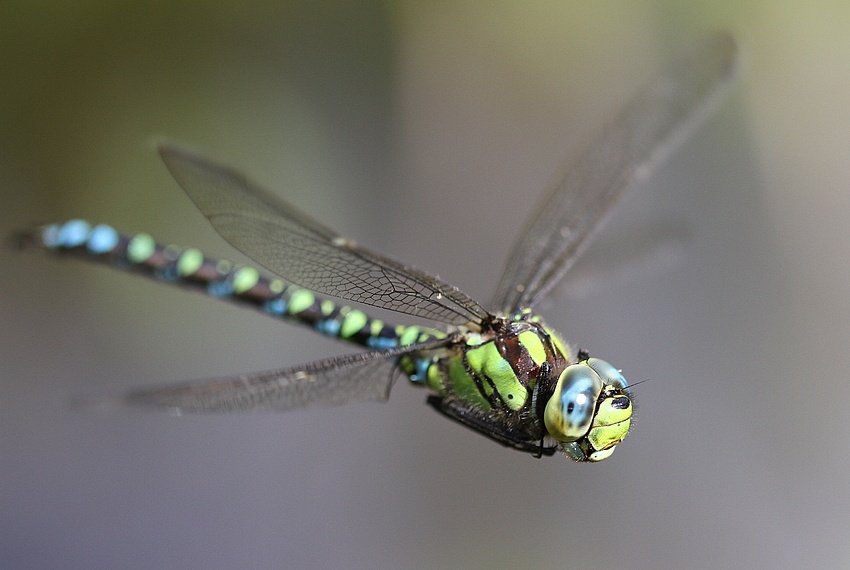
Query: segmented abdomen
(244,285)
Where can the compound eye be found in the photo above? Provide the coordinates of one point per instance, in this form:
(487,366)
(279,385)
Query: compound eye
(569,412)
(610,376)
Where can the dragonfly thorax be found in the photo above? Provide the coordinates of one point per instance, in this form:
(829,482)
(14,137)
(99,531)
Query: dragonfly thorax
(504,367)
(521,372)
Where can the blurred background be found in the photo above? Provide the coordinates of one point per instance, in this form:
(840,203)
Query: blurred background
(426,131)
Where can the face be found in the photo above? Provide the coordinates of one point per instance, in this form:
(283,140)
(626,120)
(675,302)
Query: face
(590,410)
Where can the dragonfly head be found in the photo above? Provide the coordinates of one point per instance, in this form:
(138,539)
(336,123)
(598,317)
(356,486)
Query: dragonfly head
(590,410)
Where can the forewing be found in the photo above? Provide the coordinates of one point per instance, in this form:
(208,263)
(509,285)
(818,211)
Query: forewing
(643,133)
(296,247)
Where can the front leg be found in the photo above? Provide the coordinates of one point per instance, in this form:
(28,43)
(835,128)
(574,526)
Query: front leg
(485,424)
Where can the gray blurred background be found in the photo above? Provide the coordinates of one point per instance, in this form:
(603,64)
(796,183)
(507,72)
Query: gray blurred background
(427,131)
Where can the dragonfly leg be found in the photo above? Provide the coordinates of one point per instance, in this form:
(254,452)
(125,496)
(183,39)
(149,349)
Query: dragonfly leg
(493,428)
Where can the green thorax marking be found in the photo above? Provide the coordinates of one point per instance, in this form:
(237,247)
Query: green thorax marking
(499,369)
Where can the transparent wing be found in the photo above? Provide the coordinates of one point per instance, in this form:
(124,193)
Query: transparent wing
(303,251)
(645,131)
(330,382)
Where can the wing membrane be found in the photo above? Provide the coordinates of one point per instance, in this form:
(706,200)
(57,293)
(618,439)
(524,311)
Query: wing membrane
(623,153)
(305,252)
(330,382)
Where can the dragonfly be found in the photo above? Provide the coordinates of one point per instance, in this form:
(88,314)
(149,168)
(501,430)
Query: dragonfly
(502,372)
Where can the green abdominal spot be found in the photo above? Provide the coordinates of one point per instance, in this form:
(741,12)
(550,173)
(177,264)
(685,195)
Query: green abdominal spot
(301,300)
(140,248)
(352,322)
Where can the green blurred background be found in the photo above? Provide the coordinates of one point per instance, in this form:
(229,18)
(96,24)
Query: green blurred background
(427,131)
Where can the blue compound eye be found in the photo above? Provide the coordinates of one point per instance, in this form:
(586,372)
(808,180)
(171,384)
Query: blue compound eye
(610,376)
(569,412)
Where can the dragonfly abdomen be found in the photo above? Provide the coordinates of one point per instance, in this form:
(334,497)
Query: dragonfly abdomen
(244,285)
